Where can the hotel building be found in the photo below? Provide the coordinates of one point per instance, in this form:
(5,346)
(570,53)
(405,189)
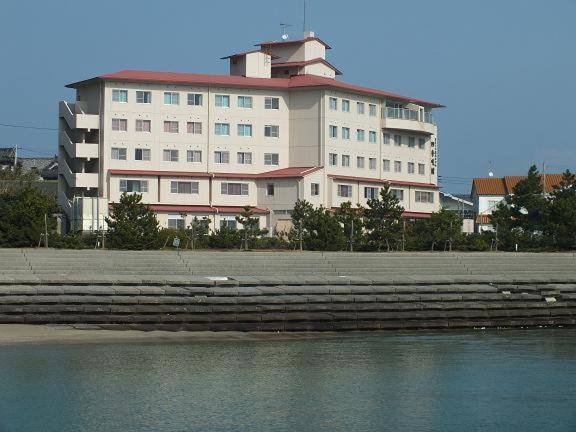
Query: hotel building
(278,128)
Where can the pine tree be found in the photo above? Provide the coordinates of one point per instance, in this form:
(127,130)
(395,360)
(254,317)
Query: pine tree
(132,224)
(382,219)
(250,227)
(352,224)
(562,221)
(197,232)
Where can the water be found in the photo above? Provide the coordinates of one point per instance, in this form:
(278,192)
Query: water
(517,380)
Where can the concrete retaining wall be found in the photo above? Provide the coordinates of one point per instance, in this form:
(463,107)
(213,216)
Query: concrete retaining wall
(286,291)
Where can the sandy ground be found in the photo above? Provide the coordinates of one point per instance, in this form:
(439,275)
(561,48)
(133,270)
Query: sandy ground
(56,334)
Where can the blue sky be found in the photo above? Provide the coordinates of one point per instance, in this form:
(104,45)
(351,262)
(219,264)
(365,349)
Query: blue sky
(505,69)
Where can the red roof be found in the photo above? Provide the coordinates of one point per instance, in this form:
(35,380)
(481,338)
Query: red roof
(296,41)
(501,186)
(290,172)
(304,63)
(298,81)
(416,215)
(248,52)
(383,181)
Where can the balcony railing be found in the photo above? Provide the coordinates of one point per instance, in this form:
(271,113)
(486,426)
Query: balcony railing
(409,114)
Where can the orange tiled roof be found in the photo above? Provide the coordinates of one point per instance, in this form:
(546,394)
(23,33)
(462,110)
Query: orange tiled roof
(505,185)
(483,219)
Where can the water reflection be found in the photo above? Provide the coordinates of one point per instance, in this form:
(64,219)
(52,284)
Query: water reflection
(507,380)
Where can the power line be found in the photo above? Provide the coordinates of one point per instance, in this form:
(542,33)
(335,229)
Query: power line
(27,127)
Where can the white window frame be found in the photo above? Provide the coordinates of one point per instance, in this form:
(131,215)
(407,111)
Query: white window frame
(140,123)
(270,189)
(243,188)
(386,165)
(244,130)
(314,189)
(345,133)
(116,153)
(372,137)
(272,131)
(191,156)
(197,99)
(372,163)
(143,97)
(372,110)
(344,187)
(218,129)
(172,126)
(221,157)
(360,135)
(116,93)
(269,103)
(125,182)
(244,102)
(333,131)
(244,158)
(345,161)
(116,122)
(371,192)
(269,159)
(145,154)
(333,103)
(360,108)
(172,152)
(171,98)
(332,159)
(222,100)
(346,105)
(194,128)
(397,166)
(175,187)
(360,162)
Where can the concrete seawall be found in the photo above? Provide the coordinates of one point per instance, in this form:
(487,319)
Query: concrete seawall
(286,291)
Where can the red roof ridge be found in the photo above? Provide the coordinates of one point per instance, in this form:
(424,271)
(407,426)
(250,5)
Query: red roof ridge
(288,172)
(383,181)
(307,62)
(298,81)
(248,52)
(295,41)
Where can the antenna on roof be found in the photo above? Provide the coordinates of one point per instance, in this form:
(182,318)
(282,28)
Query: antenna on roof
(284,29)
(490,172)
(304,25)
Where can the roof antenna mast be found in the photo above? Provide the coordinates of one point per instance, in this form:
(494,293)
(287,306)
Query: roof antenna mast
(305,26)
(284,29)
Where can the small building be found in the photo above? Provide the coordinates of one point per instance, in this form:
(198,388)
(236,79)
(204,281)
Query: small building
(487,193)
(462,204)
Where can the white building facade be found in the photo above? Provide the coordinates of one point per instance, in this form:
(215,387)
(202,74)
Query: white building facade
(279,128)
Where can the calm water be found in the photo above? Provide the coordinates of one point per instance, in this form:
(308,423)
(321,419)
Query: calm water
(522,380)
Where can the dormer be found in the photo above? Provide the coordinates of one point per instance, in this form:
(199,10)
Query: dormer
(253,64)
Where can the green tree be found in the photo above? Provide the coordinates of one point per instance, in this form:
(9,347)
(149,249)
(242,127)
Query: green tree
(562,220)
(24,216)
(350,219)
(315,228)
(132,224)
(224,238)
(445,226)
(197,232)
(250,230)
(300,215)
(383,220)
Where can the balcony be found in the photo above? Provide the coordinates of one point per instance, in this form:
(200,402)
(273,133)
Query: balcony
(77,180)
(78,149)
(76,117)
(409,119)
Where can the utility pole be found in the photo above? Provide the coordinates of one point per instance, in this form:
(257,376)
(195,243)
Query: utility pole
(15,156)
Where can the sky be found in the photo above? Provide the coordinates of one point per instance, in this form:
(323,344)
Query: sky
(506,70)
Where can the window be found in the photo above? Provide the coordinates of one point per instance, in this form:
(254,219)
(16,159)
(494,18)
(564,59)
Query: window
(345,105)
(118,153)
(234,188)
(372,136)
(271,159)
(270,189)
(360,134)
(244,101)
(170,155)
(398,140)
(333,131)
(142,154)
(424,197)
(244,130)
(398,194)
(372,163)
(372,110)
(359,162)
(183,187)
(171,98)
(385,138)
(345,133)
(410,167)
(421,143)
(176,222)
(195,99)
(120,125)
(120,95)
(194,128)
(271,103)
(333,103)
(345,160)
(221,157)
(143,97)
(171,126)
(421,169)
(314,189)
(228,223)
(397,166)
(386,165)
(333,159)
(360,107)
(194,156)
(371,192)
(133,185)
(411,142)
(143,125)
(222,128)
(223,101)
(272,131)
(344,191)
(244,158)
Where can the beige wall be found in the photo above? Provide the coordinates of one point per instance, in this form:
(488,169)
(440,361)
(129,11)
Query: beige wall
(305,133)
